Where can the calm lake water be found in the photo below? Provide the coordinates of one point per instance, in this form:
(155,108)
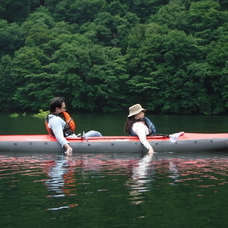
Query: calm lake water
(114,190)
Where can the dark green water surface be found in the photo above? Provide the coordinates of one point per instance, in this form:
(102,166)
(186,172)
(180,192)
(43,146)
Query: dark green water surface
(114,190)
(113,124)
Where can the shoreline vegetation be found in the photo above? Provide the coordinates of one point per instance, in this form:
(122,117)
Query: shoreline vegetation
(104,55)
(40,114)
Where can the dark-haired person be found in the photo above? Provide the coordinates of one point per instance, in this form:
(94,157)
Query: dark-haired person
(60,125)
(139,125)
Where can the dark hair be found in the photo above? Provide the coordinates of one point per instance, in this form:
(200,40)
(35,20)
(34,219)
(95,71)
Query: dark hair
(55,103)
(128,124)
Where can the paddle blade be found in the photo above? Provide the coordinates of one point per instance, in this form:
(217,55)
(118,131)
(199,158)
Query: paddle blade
(175,136)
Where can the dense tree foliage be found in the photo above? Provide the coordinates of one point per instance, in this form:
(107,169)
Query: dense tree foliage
(171,55)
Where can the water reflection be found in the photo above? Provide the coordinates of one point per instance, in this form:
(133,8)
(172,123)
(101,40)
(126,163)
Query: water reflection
(174,173)
(61,173)
(58,173)
(140,171)
(121,180)
(139,178)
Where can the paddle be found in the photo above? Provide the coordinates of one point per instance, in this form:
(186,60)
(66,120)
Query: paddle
(175,136)
(84,137)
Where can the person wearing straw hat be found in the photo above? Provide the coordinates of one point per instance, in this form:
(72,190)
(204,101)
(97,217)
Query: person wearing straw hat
(139,125)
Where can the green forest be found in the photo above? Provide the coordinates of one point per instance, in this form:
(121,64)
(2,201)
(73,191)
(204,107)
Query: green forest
(106,55)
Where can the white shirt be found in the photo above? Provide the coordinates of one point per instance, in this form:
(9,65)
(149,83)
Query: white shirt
(141,130)
(57,124)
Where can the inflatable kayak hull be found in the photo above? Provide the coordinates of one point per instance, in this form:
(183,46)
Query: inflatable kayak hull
(188,142)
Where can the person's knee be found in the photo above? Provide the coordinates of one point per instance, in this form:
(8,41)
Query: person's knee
(98,133)
(93,133)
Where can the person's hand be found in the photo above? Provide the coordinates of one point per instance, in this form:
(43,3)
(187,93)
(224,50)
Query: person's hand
(69,149)
(151,151)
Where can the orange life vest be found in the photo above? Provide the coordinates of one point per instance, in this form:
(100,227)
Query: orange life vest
(69,127)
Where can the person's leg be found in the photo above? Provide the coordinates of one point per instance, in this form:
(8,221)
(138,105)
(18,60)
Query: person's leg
(93,134)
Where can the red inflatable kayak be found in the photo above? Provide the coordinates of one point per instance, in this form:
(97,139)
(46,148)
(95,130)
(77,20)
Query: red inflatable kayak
(178,142)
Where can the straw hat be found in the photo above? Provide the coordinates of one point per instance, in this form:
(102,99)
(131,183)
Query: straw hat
(135,109)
